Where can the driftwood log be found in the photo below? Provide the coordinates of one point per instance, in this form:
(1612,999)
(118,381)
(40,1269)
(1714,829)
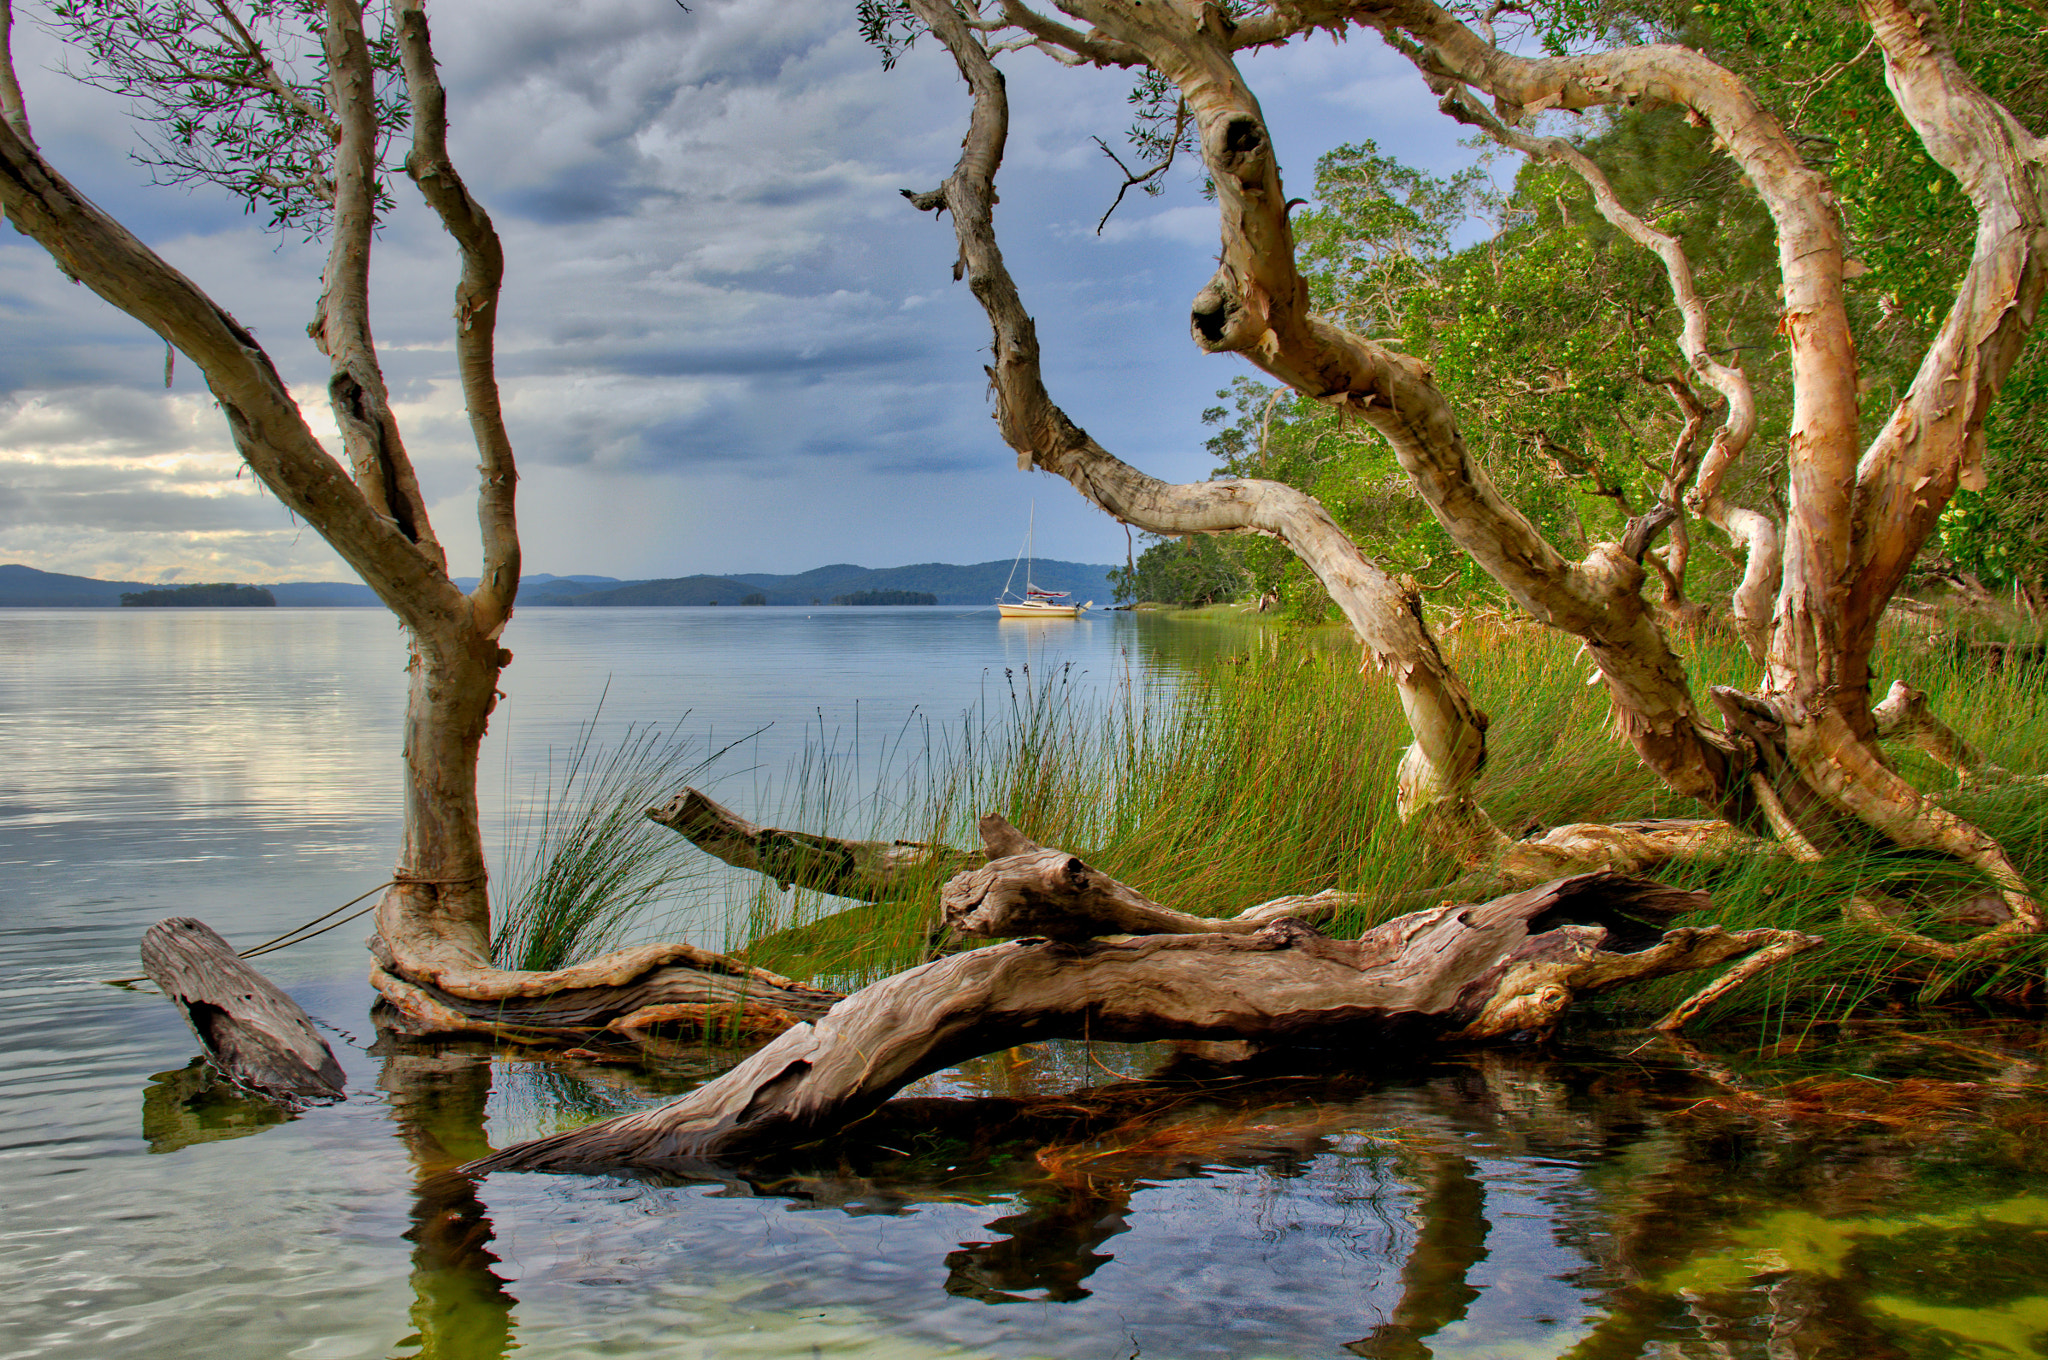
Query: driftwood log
(255,1034)
(1453,972)
(866,870)
(1023,888)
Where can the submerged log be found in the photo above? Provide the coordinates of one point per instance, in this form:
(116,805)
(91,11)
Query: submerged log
(1453,972)
(860,869)
(258,1037)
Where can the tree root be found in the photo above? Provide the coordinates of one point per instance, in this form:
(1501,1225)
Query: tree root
(625,993)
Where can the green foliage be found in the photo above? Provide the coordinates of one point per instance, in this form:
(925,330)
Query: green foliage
(1198,569)
(1908,224)
(889,27)
(237,95)
(1548,337)
(1376,232)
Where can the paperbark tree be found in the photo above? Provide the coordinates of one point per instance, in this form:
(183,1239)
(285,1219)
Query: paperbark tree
(1803,764)
(312,147)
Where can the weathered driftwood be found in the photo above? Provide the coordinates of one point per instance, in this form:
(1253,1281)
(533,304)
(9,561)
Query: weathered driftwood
(1451,972)
(861,869)
(253,1032)
(1025,889)
(641,989)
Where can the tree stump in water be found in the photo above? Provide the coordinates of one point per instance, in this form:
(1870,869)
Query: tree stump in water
(1449,973)
(253,1032)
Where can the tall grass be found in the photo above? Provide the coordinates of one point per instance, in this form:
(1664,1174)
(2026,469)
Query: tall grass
(586,863)
(1271,771)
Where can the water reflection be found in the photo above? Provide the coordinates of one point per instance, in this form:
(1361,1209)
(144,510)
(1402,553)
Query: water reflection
(1875,1204)
(1436,1287)
(194,1104)
(438,1098)
(1598,1206)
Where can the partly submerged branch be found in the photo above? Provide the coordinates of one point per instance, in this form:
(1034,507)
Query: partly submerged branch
(1454,972)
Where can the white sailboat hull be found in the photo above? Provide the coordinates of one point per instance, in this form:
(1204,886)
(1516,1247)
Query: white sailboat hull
(1040,609)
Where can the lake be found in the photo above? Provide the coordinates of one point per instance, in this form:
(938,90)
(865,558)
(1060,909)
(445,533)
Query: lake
(1591,1198)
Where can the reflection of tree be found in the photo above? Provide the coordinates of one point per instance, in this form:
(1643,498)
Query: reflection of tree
(461,1310)
(1450,1238)
(1049,1247)
(1669,1201)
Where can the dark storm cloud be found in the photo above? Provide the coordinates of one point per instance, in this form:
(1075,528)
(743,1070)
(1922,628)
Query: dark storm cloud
(582,193)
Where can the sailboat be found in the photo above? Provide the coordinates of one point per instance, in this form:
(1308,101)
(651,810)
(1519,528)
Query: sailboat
(1034,603)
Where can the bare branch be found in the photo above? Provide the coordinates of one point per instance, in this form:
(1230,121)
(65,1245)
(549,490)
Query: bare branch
(12,107)
(476,317)
(1090,47)
(1450,745)
(341,319)
(268,428)
(1748,530)
(1132,178)
(1259,306)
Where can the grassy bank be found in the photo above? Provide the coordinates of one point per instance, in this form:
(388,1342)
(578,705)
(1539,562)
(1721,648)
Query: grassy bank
(1271,771)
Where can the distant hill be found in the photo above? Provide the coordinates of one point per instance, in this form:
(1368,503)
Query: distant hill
(978,584)
(25,587)
(683,590)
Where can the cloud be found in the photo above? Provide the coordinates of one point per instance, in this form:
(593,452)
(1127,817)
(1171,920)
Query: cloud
(712,282)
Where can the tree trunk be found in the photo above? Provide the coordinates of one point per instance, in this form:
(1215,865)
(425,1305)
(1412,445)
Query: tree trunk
(1454,972)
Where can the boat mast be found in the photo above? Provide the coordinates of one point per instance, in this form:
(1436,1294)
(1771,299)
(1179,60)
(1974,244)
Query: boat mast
(1024,548)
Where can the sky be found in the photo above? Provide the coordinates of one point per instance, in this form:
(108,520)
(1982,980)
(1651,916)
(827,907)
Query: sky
(726,344)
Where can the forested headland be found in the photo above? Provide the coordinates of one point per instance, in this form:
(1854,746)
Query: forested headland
(217,596)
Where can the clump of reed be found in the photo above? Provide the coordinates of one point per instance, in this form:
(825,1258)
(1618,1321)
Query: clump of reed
(586,864)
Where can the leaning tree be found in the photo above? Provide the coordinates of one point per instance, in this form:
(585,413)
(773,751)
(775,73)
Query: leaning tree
(1795,759)
(296,106)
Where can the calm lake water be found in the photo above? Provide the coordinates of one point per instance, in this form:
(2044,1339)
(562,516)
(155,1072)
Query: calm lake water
(1593,1200)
